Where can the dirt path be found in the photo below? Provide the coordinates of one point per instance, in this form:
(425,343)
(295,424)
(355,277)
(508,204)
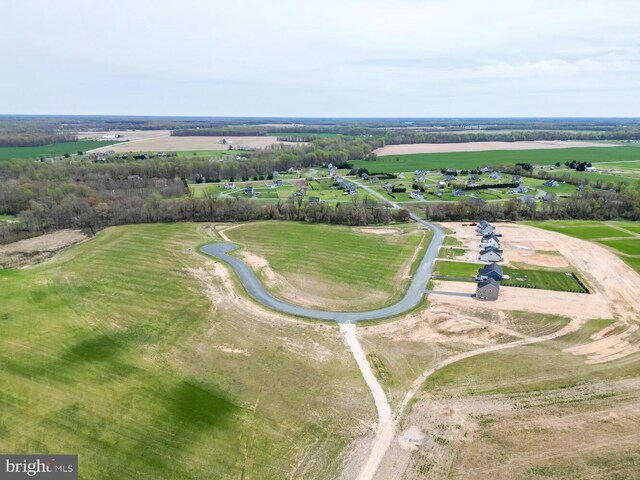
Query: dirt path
(386,432)
(379,397)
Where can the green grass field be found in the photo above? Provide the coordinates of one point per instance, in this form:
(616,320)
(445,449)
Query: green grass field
(622,237)
(335,267)
(8,218)
(469,160)
(298,134)
(217,154)
(629,247)
(519,277)
(112,351)
(51,150)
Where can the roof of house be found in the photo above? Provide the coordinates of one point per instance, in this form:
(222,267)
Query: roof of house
(490,249)
(489,281)
(489,237)
(492,267)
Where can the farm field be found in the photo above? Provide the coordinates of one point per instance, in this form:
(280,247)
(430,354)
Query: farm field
(162,141)
(53,149)
(519,277)
(470,160)
(175,379)
(413,148)
(622,237)
(332,267)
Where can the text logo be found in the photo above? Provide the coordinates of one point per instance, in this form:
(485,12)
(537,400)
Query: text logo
(46,467)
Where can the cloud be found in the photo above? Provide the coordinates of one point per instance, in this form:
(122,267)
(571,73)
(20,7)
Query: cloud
(349,57)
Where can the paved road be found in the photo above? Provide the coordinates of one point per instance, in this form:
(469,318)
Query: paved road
(256,289)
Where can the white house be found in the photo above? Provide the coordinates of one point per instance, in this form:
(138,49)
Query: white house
(490,254)
(417,195)
(489,241)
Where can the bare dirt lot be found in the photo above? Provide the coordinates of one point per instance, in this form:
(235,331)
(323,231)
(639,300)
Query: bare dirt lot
(480,147)
(34,250)
(162,141)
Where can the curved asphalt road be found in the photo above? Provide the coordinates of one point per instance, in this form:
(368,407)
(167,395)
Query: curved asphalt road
(257,291)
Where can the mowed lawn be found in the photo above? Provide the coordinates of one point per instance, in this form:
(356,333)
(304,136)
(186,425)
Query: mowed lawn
(113,352)
(518,277)
(336,264)
(622,237)
(53,149)
(469,160)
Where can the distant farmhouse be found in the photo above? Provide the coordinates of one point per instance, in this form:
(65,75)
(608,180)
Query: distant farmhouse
(551,183)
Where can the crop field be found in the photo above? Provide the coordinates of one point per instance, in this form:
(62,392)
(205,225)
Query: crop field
(622,237)
(519,277)
(336,268)
(51,150)
(470,160)
(113,351)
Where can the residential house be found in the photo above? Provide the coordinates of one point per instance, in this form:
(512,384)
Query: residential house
(495,176)
(248,190)
(489,241)
(450,178)
(291,170)
(276,184)
(590,169)
(488,290)
(551,183)
(457,192)
(275,174)
(549,197)
(416,195)
(420,172)
(442,184)
(364,176)
(527,199)
(490,254)
(484,228)
(314,199)
(517,179)
(493,271)
(389,186)
(333,171)
(229,186)
(581,188)
(420,179)
(519,189)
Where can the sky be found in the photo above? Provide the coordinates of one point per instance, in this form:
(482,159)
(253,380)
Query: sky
(330,58)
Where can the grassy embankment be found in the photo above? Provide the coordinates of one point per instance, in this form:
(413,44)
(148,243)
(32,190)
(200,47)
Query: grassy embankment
(112,350)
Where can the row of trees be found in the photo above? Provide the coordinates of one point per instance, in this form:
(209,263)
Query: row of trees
(592,204)
(33,139)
